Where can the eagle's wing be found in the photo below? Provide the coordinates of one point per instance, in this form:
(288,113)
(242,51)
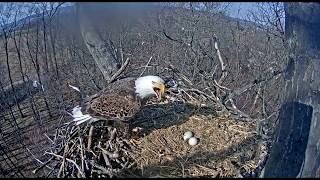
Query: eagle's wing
(117,101)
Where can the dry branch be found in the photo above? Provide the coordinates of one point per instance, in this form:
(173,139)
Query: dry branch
(182,76)
(118,73)
(90,137)
(222,64)
(106,154)
(71,161)
(146,66)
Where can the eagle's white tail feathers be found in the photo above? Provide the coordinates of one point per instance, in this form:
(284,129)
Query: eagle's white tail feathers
(78,116)
(75,88)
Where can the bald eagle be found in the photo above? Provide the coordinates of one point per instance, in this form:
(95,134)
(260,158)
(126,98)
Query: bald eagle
(120,100)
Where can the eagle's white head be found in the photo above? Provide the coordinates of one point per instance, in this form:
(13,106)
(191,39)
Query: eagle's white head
(148,86)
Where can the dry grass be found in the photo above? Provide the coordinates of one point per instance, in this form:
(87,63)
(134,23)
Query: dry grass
(225,147)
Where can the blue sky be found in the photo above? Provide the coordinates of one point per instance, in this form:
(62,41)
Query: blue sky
(243,7)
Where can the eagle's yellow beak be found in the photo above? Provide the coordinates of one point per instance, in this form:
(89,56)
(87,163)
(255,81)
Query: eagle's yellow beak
(159,89)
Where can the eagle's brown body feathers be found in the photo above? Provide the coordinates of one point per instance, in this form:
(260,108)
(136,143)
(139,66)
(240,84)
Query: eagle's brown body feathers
(116,102)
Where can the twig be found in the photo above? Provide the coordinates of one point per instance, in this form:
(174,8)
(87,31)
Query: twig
(146,66)
(49,138)
(90,137)
(184,91)
(223,66)
(43,165)
(183,77)
(113,134)
(81,152)
(167,36)
(234,108)
(35,157)
(222,87)
(106,160)
(47,162)
(61,168)
(54,168)
(104,170)
(69,160)
(243,89)
(264,113)
(237,129)
(203,93)
(182,166)
(123,67)
(256,98)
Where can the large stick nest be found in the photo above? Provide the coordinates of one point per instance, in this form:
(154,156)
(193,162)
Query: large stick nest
(154,146)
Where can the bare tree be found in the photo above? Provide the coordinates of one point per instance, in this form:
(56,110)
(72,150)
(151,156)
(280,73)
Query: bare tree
(270,17)
(9,14)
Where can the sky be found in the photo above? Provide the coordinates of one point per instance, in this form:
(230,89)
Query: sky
(236,9)
(241,9)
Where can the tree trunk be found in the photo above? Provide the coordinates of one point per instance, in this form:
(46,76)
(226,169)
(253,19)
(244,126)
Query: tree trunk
(93,40)
(296,150)
(95,16)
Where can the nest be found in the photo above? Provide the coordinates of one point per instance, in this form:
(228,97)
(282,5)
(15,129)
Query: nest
(152,145)
(226,149)
(95,150)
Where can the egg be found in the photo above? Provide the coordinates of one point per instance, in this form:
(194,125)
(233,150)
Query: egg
(193,141)
(187,135)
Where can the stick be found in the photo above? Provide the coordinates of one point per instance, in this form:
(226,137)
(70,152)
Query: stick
(146,66)
(81,151)
(222,87)
(90,137)
(69,160)
(183,77)
(43,165)
(223,66)
(123,67)
(47,162)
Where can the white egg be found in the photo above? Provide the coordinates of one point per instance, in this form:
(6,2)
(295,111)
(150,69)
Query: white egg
(187,135)
(193,141)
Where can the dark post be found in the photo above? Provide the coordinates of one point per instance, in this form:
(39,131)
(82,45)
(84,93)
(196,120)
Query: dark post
(296,150)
